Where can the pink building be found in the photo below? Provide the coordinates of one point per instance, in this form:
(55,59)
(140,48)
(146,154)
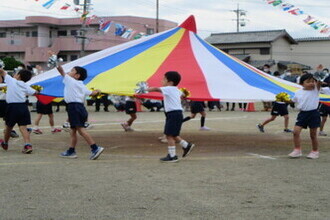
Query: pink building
(29,40)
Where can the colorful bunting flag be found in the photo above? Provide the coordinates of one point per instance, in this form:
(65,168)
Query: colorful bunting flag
(49,4)
(287,7)
(120,29)
(105,26)
(311,21)
(84,16)
(296,11)
(128,33)
(90,19)
(277,2)
(66,6)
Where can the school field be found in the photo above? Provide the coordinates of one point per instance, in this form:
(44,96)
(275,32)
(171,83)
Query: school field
(234,172)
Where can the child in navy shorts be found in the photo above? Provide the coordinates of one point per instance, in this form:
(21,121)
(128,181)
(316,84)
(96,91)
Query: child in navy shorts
(307,100)
(75,93)
(130,109)
(195,108)
(44,109)
(17,111)
(324,112)
(174,117)
(279,108)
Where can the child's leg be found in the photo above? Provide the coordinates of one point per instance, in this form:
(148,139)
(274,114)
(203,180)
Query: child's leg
(186,146)
(132,119)
(203,118)
(324,119)
(25,134)
(74,138)
(296,137)
(6,133)
(171,145)
(286,121)
(36,122)
(193,115)
(82,131)
(272,118)
(51,120)
(315,142)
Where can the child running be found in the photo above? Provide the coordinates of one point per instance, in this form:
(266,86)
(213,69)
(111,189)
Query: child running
(130,109)
(197,107)
(17,111)
(279,108)
(307,100)
(44,109)
(75,93)
(174,117)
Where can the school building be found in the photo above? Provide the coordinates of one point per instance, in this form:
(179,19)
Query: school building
(29,40)
(274,47)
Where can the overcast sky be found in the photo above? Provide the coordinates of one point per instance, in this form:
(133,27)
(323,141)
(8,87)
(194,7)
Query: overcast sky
(212,16)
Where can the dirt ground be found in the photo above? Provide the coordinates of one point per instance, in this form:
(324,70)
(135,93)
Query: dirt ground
(234,172)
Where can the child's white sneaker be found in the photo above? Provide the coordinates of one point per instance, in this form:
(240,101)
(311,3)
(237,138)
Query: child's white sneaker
(322,133)
(313,155)
(204,128)
(125,126)
(295,153)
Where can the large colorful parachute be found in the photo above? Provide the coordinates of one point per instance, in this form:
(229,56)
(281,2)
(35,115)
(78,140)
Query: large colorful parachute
(207,72)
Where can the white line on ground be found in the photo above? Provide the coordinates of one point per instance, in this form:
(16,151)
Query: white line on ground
(155,121)
(262,156)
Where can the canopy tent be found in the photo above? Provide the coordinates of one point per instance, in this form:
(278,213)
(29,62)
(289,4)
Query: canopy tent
(207,72)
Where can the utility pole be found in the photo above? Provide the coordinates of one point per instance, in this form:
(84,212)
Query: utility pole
(83,31)
(157,16)
(239,21)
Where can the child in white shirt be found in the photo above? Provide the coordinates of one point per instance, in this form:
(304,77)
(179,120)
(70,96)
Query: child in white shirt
(174,117)
(17,111)
(307,100)
(75,93)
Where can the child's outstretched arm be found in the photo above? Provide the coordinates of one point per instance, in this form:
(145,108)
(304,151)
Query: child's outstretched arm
(154,89)
(319,84)
(59,67)
(60,70)
(3,72)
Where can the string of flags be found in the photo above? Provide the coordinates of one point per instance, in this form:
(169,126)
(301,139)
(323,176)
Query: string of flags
(313,22)
(104,25)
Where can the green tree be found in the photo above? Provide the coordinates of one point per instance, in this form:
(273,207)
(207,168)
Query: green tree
(11,63)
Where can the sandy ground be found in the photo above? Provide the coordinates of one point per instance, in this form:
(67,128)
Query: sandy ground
(235,172)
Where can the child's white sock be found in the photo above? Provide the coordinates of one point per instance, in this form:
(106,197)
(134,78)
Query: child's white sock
(171,151)
(184,143)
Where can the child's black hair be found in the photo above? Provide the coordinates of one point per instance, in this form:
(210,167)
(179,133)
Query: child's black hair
(25,75)
(82,72)
(306,77)
(173,76)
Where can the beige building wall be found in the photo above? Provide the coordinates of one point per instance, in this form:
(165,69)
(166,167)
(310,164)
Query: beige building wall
(281,50)
(312,53)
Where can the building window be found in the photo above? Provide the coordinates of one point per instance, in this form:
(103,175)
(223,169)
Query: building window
(73,33)
(264,51)
(27,34)
(2,34)
(62,33)
(34,34)
(73,57)
(64,57)
(150,31)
